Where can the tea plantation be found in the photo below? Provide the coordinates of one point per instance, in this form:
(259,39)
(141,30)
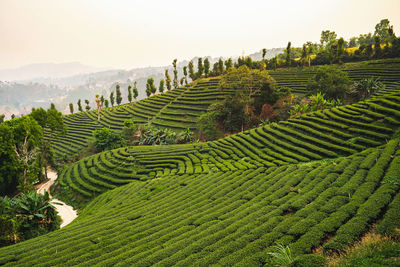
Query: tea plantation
(180,108)
(227,218)
(315,182)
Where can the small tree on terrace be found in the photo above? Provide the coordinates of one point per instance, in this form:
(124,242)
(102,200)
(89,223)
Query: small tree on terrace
(112,98)
(200,67)
(80,105)
(87,105)
(167,80)
(98,103)
(161,87)
(150,87)
(135,91)
(106,103)
(102,100)
(221,66)
(130,93)
(119,96)
(191,71)
(175,74)
(264,52)
(71,108)
(228,64)
(288,55)
(185,73)
(206,66)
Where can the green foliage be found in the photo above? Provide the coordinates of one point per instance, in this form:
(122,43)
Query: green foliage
(330,81)
(119,95)
(206,66)
(161,87)
(135,92)
(80,105)
(167,81)
(282,256)
(87,105)
(191,71)
(175,73)
(365,87)
(112,98)
(288,54)
(150,87)
(106,139)
(9,164)
(106,103)
(130,93)
(207,126)
(26,216)
(200,67)
(71,108)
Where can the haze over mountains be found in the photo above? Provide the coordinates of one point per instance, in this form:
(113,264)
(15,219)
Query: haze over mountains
(36,85)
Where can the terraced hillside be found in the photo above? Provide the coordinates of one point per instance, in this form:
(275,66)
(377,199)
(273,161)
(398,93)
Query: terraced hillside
(331,133)
(387,70)
(227,218)
(177,109)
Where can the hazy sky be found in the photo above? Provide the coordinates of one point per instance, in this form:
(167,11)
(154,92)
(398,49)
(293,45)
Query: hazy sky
(132,33)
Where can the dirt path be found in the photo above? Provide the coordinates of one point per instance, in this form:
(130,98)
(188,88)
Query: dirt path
(67,213)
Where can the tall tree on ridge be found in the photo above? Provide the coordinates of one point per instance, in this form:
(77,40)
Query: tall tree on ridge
(161,87)
(135,90)
(167,80)
(206,66)
(130,93)
(288,55)
(98,103)
(191,71)
(71,108)
(200,67)
(119,96)
(175,74)
(264,52)
(87,105)
(112,98)
(80,105)
(185,73)
(102,100)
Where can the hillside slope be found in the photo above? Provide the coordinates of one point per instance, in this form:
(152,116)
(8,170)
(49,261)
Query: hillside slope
(229,218)
(330,133)
(180,108)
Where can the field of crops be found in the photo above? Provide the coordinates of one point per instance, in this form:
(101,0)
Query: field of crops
(387,70)
(331,133)
(177,109)
(228,218)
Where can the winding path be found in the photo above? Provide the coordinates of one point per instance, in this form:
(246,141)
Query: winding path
(67,213)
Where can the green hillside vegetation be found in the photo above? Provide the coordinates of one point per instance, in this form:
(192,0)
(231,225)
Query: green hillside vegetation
(180,108)
(329,133)
(230,217)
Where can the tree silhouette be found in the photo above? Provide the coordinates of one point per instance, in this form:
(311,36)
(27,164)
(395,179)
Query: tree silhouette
(71,108)
(119,96)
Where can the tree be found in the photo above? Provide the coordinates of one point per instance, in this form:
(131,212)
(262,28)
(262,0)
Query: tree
(112,98)
(87,105)
(288,59)
(175,74)
(330,81)
(340,50)
(98,103)
(167,80)
(327,36)
(221,66)
(10,168)
(27,141)
(106,103)
(161,87)
(206,66)
(182,80)
(52,121)
(52,106)
(80,105)
(135,93)
(200,67)
(12,116)
(264,52)
(191,71)
(382,30)
(130,93)
(185,73)
(304,55)
(71,108)
(252,87)
(102,100)
(150,87)
(119,95)
(377,47)
(228,64)
(106,139)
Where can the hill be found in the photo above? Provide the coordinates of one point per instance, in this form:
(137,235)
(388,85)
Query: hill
(180,108)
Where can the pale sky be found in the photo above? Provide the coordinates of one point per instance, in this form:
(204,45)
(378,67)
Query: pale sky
(127,34)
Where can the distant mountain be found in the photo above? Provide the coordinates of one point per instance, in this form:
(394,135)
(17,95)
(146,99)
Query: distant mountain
(45,70)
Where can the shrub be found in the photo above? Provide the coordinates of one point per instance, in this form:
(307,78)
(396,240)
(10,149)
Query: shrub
(106,139)
(309,260)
